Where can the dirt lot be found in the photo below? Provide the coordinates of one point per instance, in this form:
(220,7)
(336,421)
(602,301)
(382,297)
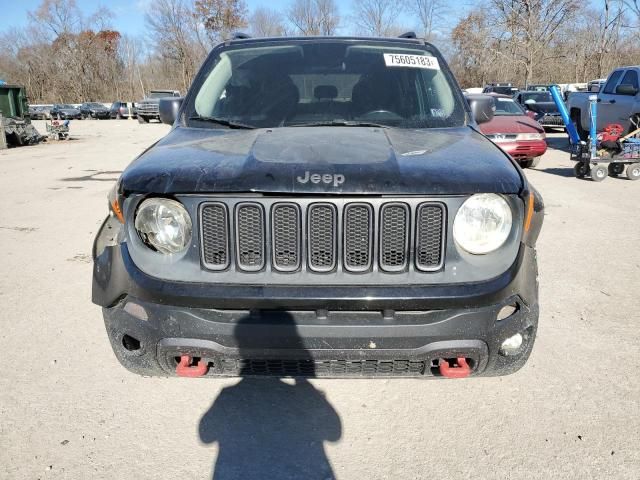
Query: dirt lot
(69,410)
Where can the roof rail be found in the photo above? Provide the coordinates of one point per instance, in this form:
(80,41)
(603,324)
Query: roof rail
(240,36)
(408,35)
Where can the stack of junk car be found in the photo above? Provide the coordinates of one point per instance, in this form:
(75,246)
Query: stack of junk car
(15,124)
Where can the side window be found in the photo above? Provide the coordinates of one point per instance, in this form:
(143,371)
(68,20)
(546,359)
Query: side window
(630,78)
(610,87)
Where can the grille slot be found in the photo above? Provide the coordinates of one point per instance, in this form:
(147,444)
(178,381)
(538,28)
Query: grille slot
(285,231)
(394,236)
(250,236)
(429,236)
(321,231)
(323,368)
(358,237)
(215,236)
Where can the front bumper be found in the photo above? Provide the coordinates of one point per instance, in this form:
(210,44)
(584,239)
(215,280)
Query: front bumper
(551,121)
(331,331)
(524,150)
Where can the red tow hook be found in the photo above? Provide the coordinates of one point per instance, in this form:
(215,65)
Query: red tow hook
(185,369)
(461,371)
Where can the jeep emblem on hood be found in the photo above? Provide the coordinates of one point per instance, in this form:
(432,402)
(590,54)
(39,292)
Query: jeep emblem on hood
(327,178)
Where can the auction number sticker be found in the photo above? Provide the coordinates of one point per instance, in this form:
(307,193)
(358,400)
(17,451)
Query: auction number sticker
(412,61)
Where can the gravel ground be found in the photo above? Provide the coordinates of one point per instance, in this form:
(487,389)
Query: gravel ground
(69,410)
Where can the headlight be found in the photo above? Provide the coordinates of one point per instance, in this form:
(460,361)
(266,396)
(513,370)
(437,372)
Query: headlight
(164,225)
(530,136)
(483,223)
(499,138)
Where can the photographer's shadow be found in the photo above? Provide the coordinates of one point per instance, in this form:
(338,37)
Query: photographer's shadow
(266,428)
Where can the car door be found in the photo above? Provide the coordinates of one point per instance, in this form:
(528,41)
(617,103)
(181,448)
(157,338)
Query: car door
(627,103)
(608,108)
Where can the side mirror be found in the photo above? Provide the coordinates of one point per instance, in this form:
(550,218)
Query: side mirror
(483,107)
(169,108)
(626,89)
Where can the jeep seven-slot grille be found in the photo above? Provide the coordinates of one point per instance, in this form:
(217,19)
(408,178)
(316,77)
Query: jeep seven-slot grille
(322,237)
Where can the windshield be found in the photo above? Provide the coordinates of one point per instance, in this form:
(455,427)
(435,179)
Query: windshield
(537,97)
(160,94)
(322,83)
(95,105)
(66,106)
(507,107)
(504,90)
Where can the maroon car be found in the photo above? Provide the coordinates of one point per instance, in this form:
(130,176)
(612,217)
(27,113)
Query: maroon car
(515,132)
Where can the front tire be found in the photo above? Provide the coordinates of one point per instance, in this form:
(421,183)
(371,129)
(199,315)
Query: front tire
(633,171)
(535,161)
(616,169)
(581,169)
(599,173)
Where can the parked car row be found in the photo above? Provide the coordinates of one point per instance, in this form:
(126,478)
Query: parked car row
(144,110)
(94,110)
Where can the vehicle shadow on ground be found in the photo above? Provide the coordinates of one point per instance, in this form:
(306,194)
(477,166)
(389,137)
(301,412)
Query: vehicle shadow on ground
(96,176)
(559,143)
(268,429)
(562,172)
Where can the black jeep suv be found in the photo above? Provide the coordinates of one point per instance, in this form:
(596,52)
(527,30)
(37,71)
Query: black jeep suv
(321,207)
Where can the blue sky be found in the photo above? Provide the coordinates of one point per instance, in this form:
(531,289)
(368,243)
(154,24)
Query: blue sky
(129,14)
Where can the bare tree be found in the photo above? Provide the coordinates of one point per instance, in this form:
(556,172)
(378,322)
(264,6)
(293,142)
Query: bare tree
(265,22)
(170,24)
(131,57)
(220,17)
(533,26)
(66,54)
(608,35)
(376,17)
(428,13)
(314,17)
(59,17)
(475,59)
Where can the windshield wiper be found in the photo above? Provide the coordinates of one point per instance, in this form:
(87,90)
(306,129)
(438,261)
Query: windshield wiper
(338,123)
(222,121)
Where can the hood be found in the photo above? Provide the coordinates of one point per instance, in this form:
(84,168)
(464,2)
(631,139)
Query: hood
(542,107)
(323,160)
(511,124)
(72,111)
